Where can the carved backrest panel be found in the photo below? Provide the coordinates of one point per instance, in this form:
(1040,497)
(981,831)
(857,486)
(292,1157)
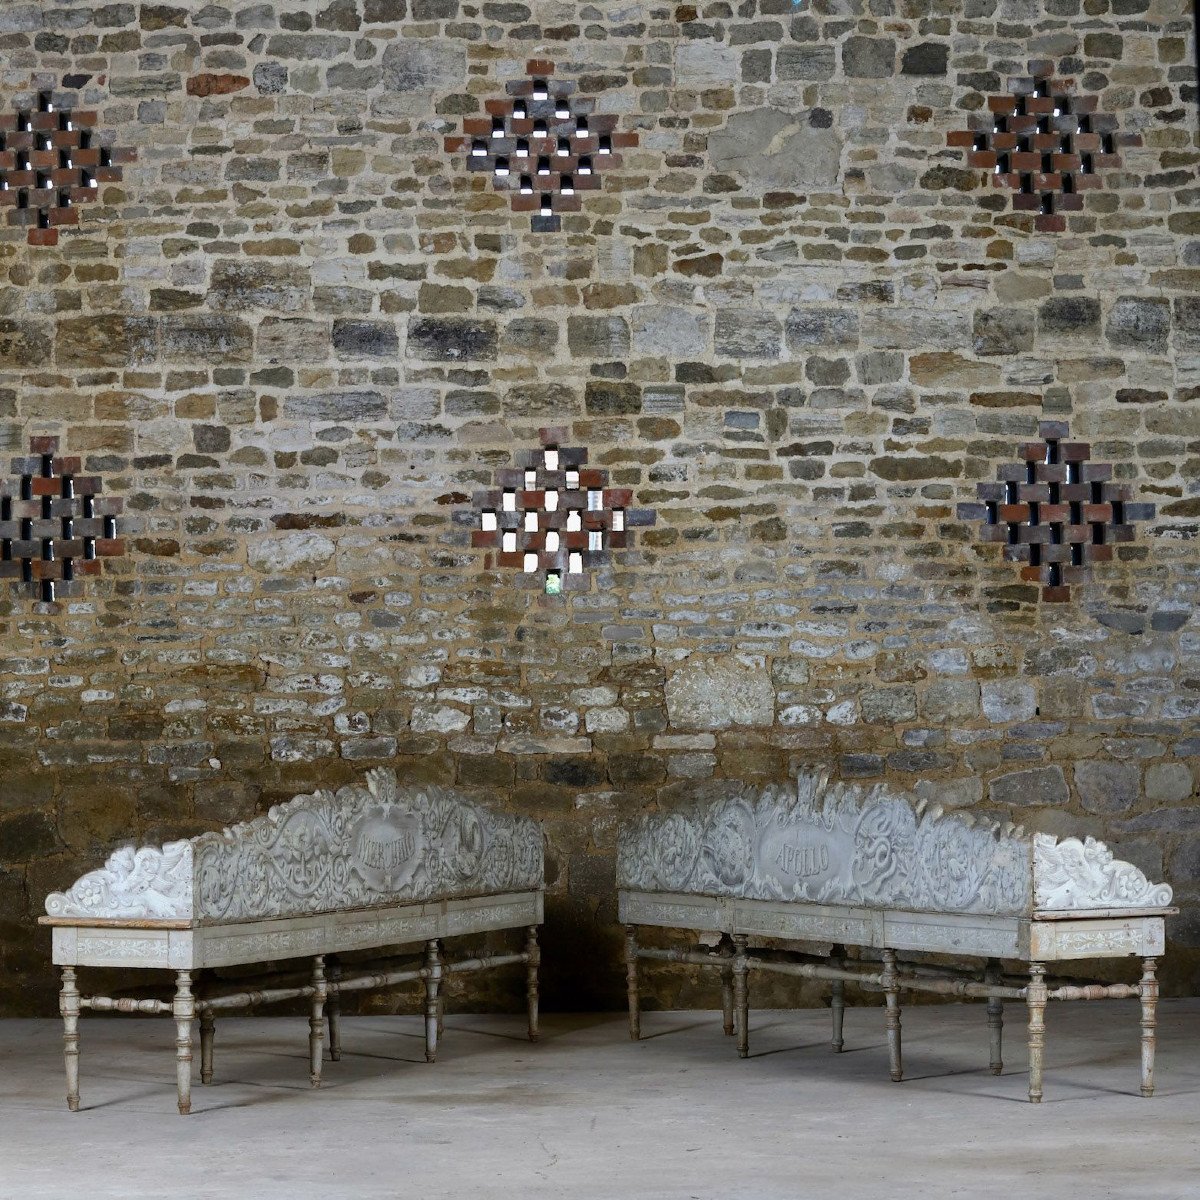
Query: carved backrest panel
(359,847)
(842,844)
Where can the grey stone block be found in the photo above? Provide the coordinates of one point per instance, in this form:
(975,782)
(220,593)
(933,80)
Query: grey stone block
(868,58)
(1034,786)
(1107,787)
(772,149)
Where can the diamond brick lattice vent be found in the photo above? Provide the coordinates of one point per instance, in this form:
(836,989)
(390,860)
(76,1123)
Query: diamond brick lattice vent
(52,161)
(1045,143)
(55,529)
(543,144)
(553,516)
(1056,511)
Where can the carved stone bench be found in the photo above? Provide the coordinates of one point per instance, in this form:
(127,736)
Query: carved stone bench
(869,868)
(322,875)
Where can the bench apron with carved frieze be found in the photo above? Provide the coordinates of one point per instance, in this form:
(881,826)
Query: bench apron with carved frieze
(842,866)
(321,876)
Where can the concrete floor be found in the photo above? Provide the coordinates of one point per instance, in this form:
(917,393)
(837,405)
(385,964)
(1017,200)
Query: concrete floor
(589,1114)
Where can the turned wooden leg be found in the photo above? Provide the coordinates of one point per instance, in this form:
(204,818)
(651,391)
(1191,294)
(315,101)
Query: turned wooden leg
(183,1009)
(727,987)
(316,1021)
(1149,991)
(995,1020)
(631,982)
(837,999)
(333,1012)
(1035,999)
(531,979)
(208,1029)
(433,983)
(891,991)
(741,994)
(68,1005)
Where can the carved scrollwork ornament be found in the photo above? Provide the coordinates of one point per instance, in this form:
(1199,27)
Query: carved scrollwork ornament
(355,848)
(839,843)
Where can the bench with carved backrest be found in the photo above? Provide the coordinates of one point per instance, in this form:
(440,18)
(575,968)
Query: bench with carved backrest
(847,866)
(325,874)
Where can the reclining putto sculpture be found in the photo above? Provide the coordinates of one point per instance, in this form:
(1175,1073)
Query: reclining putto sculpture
(357,869)
(871,868)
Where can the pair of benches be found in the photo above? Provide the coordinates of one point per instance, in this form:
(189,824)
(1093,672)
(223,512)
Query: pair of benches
(831,866)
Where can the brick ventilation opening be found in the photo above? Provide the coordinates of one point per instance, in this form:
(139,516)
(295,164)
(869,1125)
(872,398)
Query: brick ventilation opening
(542,144)
(51,161)
(54,527)
(553,516)
(1056,511)
(1045,143)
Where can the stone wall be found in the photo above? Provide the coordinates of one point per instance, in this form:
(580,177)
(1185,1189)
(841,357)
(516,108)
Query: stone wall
(299,335)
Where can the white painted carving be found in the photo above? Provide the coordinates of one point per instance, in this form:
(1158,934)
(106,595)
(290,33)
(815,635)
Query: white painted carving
(838,843)
(149,883)
(118,950)
(1072,875)
(359,847)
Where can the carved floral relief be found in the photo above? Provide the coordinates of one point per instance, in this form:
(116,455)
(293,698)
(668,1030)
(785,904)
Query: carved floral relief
(838,843)
(358,847)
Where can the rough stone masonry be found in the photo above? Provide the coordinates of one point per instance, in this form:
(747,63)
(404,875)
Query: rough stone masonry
(297,336)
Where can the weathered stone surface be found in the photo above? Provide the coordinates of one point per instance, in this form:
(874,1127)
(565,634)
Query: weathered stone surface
(365,339)
(951,699)
(450,340)
(1169,783)
(1138,322)
(292,551)
(612,399)
(950,793)
(868,58)
(1070,315)
(1003,331)
(598,337)
(25,836)
(336,406)
(773,149)
(24,343)
(748,333)
(718,694)
(424,65)
(821,327)
(926,58)
(1037,785)
(442,718)
(663,330)
(237,286)
(1008,700)
(105,341)
(204,338)
(1106,787)
(705,65)
(292,340)
(915,328)
(889,706)
(805,62)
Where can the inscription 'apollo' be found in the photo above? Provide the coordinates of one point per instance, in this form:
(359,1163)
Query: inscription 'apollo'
(802,861)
